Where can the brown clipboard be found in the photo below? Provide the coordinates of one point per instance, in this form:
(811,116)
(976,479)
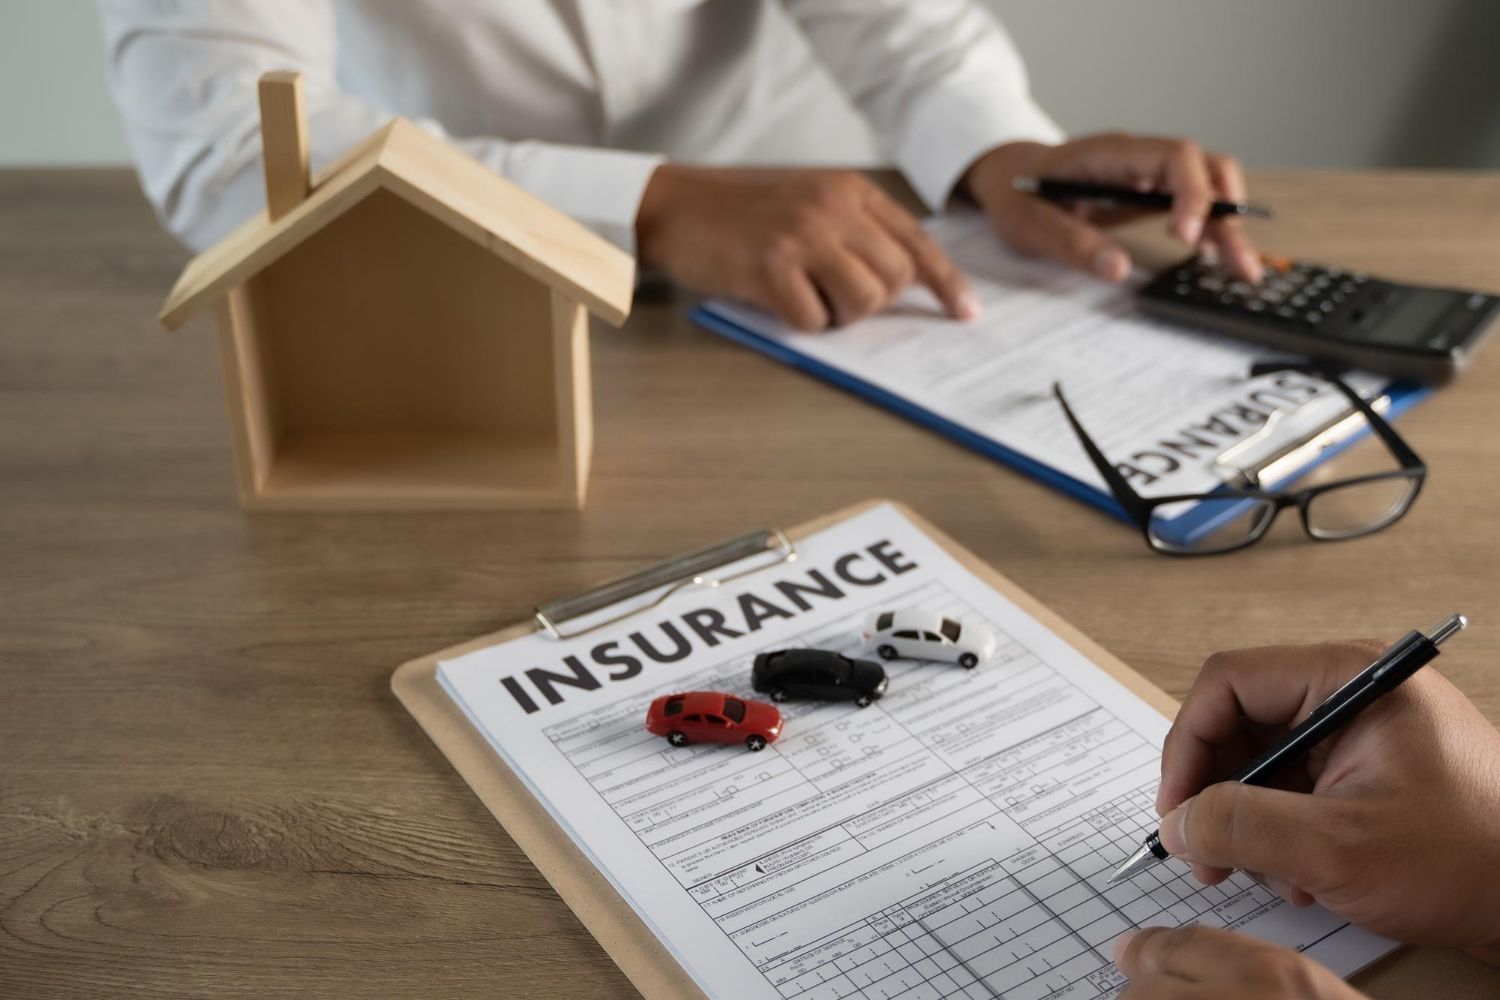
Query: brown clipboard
(613,922)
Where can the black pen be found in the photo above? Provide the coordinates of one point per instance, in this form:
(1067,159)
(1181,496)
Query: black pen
(1410,653)
(1054,189)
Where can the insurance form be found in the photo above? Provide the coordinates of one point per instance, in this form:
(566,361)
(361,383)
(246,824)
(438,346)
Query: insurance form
(951,840)
(1162,402)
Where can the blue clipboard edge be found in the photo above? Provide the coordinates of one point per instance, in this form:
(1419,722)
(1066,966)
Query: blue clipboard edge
(1403,396)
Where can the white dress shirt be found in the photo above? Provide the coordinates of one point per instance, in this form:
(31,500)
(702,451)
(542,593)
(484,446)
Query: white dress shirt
(575,100)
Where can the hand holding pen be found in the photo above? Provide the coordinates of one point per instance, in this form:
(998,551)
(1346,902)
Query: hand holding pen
(1114,196)
(1183,180)
(1393,823)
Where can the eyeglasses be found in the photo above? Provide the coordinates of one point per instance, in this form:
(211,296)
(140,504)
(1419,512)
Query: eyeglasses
(1234,517)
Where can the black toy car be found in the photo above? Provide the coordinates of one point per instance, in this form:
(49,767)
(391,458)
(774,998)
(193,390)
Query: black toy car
(817,673)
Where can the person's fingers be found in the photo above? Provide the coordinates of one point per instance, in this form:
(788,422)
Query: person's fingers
(1235,251)
(1290,836)
(1297,897)
(1134,161)
(1108,216)
(890,261)
(1212,956)
(1176,166)
(1228,234)
(789,292)
(1185,173)
(934,269)
(1039,229)
(1271,685)
(1282,888)
(1193,953)
(1160,987)
(1210,875)
(1146,163)
(851,287)
(1215,962)
(1315,763)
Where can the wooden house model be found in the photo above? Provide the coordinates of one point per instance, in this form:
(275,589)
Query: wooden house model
(409,331)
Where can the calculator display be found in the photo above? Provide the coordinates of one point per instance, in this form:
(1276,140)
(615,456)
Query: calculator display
(1413,321)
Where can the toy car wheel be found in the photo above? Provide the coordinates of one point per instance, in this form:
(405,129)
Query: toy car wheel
(887,652)
(863,701)
(755,742)
(778,695)
(968,661)
(677,739)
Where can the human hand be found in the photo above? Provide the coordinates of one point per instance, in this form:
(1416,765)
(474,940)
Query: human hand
(1209,963)
(818,248)
(1392,823)
(1074,235)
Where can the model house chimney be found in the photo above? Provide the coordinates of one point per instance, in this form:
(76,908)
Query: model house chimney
(283,137)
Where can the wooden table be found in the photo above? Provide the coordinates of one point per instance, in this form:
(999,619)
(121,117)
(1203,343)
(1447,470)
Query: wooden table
(206,786)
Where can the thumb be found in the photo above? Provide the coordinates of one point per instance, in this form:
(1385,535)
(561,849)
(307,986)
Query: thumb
(1040,229)
(1282,834)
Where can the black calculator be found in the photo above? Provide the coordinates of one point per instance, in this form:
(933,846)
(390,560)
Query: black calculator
(1344,317)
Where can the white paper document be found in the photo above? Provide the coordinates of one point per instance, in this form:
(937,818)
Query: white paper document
(951,840)
(1163,403)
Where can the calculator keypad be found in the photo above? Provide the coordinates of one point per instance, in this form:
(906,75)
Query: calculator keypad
(1323,301)
(1339,317)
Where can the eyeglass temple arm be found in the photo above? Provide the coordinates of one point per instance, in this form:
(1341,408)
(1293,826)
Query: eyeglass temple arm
(1398,446)
(1125,494)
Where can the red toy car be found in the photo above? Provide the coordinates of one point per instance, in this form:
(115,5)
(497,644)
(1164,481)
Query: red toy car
(713,717)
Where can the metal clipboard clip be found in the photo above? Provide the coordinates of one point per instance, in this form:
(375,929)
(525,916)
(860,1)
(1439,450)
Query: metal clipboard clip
(1243,464)
(700,568)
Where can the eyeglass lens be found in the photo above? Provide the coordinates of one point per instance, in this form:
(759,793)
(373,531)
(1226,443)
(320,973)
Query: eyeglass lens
(1360,504)
(1214,524)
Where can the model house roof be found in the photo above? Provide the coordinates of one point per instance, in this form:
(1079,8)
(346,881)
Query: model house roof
(473,201)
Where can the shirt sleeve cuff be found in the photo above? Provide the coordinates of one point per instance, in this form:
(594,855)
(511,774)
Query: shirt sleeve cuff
(601,188)
(949,131)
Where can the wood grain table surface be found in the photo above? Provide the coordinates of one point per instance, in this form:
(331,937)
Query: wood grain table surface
(206,786)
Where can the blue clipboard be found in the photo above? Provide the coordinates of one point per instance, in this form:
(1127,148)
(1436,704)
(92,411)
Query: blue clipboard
(1403,396)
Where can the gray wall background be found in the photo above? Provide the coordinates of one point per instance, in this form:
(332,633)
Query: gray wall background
(1280,82)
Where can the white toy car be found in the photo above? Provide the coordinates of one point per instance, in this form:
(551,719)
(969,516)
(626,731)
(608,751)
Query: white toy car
(926,635)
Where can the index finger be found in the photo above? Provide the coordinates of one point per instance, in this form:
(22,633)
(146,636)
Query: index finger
(933,267)
(1228,234)
(1186,175)
(1270,685)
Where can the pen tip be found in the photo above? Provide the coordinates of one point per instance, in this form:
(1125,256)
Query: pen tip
(1138,862)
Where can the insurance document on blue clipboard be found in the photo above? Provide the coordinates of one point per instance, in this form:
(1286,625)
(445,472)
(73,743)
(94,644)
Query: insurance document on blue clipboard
(1162,402)
(953,839)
